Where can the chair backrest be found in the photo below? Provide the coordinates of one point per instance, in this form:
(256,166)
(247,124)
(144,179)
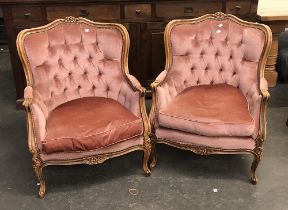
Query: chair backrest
(74,57)
(216,48)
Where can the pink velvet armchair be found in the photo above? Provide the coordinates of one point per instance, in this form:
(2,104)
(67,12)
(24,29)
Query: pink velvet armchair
(82,105)
(212,96)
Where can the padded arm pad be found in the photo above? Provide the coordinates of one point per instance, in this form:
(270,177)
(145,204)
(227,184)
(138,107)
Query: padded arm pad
(165,89)
(263,84)
(130,95)
(38,112)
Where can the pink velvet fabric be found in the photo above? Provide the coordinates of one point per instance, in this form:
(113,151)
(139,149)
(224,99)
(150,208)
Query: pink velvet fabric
(71,61)
(89,123)
(137,141)
(205,53)
(218,142)
(209,110)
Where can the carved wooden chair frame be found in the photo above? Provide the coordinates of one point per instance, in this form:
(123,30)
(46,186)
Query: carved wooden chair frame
(204,150)
(39,164)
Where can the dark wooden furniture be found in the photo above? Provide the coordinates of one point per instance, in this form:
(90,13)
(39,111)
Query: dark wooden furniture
(145,21)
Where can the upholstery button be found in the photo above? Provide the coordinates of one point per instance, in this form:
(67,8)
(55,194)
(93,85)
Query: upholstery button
(234,73)
(192,68)
(79,86)
(197,82)
(211,83)
(55,76)
(93,87)
(220,70)
(206,68)
(85,72)
(65,89)
(100,73)
(70,73)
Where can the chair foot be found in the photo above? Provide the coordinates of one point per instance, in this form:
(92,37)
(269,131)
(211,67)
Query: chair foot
(254,180)
(154,156)
(254,166)
(146,168)
(38,168)
(147,172)
(153,163)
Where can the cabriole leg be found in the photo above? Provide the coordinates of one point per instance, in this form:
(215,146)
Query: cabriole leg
(255,163)
(146,156)
(153,155)
(38,168)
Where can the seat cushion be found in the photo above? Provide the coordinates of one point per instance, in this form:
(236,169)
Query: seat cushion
(88,124)
(209,110)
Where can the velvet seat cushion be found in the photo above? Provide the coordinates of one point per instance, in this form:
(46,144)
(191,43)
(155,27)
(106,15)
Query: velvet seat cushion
(209,110)
(88,124)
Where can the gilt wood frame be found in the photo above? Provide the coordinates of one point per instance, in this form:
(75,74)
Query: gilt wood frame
(202,149)
(38,163)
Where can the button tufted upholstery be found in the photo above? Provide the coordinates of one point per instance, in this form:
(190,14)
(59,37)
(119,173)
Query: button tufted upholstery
(74,61)
(82,105)
(212,96)
(214,52)
(71,61)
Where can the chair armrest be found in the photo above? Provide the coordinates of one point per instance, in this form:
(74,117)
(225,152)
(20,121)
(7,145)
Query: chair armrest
(264,87)
(263,108)
(159,79)
(136,100)
(135,84)
(156,88)
(36,119)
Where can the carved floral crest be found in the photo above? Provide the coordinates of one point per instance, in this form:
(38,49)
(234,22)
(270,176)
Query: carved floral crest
(219,16)
(70,19)
(95,160)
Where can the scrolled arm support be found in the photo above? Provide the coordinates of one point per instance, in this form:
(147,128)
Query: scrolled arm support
(152,116)
(263,109)
(33,111)
(136,86)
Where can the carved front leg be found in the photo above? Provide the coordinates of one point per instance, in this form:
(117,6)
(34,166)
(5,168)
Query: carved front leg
(146,156)
(255,163)
(153,151)
(38,168)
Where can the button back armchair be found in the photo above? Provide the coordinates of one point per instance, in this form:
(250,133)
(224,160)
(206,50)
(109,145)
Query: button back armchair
(212,96)
(82,105)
